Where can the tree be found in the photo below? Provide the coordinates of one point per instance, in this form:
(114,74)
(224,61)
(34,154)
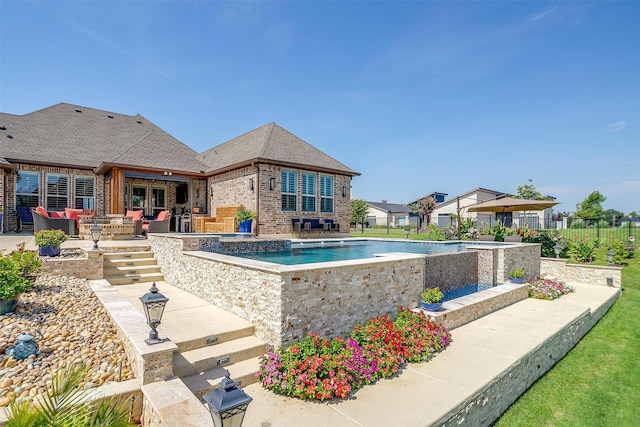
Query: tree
(359,210)
(591,207)
(529,192)
(423,209)
(614,216)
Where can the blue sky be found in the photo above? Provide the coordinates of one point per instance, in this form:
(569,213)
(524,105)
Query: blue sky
(417,96)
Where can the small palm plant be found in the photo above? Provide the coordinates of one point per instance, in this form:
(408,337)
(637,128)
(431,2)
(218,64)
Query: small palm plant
(67,404)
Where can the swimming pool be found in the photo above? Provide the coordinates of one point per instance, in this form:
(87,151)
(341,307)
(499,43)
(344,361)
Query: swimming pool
(308,253)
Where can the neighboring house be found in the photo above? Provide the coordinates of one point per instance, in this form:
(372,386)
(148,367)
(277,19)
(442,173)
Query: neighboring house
(438,197)
(71,156)
(441,215)
(388,214)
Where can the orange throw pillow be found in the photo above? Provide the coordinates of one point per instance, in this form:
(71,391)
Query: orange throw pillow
(136,215)
(162,216)
(73,213)
(56,215)
(42,212)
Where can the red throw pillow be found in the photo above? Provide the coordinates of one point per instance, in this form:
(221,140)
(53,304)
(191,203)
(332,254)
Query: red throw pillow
(40,210)
(136,215)
(56,215)
(73,213)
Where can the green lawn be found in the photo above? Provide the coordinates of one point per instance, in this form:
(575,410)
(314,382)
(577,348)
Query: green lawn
(598,382)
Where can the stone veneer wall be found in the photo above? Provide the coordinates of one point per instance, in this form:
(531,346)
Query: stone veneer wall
(90,267)
(592,274)
(285,303)
(496,261)
(439,271)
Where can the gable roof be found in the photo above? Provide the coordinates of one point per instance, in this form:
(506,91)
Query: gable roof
(86,137)
(271,144)
(432,194)
(390,207)
(469,193)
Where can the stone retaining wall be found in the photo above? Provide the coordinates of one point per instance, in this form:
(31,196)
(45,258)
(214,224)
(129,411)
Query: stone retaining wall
(89,267)
(440,274)
(592,274)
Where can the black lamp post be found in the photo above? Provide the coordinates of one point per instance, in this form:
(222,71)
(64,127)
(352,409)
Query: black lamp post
(610,256)
(557,248)
(96,232)
(153,303)
(227,404)
(407,230)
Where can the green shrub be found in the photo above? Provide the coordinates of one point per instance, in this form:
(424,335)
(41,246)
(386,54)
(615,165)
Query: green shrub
(621,251)
(28,261)
(49,238)
(583,250)
(12,281)
(431,295)
(433,232)
(578,223)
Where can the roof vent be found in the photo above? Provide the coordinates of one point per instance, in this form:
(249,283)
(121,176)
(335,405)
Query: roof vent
(3,128)
(78,111)
(111,117)
(138,121)
(10,136)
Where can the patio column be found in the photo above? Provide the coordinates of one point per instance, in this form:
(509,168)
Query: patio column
(116,204)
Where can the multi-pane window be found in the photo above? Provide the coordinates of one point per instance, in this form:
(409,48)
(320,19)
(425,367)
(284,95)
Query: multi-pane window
(57,192)
(308,192)
(158,200)
(139,197)
(326,194)
(28,189)
(289,190)
(84,193)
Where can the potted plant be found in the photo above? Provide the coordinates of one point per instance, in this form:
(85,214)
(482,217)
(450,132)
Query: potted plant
(12,284)
(244,218)
(430,299)
(517,275)
(48,242)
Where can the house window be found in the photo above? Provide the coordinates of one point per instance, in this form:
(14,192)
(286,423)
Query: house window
(308,192)
(158,200)
(28,189)
(57,192)
(84,194)
(326,194)
(139,197)
(289,190)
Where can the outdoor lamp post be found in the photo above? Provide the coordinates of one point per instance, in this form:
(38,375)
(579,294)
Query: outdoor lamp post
(557,248)
(227,404)
(153,303)
(95,232)
(407,230)
(610,256)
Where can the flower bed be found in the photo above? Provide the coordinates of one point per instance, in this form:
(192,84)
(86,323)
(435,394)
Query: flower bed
(320,368)
(548,289)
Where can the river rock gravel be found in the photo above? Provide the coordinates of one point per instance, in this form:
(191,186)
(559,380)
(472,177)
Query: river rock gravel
(71,326)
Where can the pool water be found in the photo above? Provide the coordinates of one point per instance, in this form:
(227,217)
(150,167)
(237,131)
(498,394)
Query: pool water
(465,290)
(306,253)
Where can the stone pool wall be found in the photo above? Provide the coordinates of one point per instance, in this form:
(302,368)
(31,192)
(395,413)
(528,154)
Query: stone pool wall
(496,261)
(439,271)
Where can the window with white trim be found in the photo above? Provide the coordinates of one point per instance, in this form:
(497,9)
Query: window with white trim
(84,192)
(289,190)
(28,189)
(326,194)
(57,194)
(158,200)
(308,192)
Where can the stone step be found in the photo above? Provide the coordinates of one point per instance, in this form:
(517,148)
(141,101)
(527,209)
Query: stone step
(228,335)
(242,372)
(130,279)
(128,270)
(128,255)
(128,262)
(221,355)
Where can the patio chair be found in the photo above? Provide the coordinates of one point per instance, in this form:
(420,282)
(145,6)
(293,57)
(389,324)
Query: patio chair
(158,225)
(25,218)
(42,222)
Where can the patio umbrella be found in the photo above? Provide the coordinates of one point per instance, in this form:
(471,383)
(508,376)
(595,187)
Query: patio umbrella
(509,204)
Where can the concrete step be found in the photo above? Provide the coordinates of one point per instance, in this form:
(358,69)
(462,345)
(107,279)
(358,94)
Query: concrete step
(132,269)
(130,279)
(221,355)
(127,262)
(230,334)
(242,372)
(128,255)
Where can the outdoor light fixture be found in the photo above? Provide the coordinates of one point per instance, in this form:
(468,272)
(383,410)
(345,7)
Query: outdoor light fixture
(344,191)
(557,248)
(227,404)
(26,346)
(610,256)
(251,184)
(272,183)
(153,303)
(407,230)
(96,232)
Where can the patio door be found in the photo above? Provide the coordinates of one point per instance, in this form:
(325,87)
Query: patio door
(139,197)
(158,200)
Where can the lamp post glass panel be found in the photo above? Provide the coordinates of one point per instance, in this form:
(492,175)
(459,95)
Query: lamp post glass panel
(407,230)
(610,256)
(96,233)
(227,404)
(153,303)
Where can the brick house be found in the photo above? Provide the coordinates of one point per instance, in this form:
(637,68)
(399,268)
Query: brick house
(72,156)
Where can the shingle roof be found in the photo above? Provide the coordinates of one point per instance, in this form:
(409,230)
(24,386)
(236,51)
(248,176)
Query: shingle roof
(390,207)
(273,144)
(86,137)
